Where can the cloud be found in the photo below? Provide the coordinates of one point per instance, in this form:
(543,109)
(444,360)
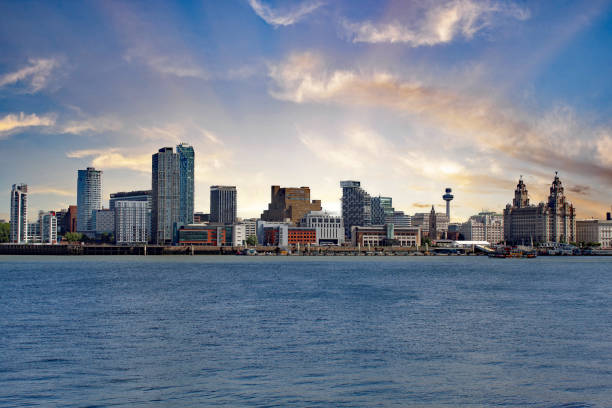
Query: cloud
(556,140)
(421,205)
(91,125)
(112,159)
(12,122)
(172,65)
(439,25)
(51,190)
(579,189)
(36,74)
(283,17)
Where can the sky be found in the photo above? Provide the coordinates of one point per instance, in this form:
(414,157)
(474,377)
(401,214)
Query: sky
(408,97)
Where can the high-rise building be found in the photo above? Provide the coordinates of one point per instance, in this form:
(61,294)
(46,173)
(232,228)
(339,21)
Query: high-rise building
(186,165)
(131,222)
(448,197)
(144,196)
(200,217)
(554,221)
(330,228)
(223,204)
(104,220)
(165,191)
(18,230)
(382,207)
(48,227)
(356,206)
(89,199)
(485,226)
(289,203)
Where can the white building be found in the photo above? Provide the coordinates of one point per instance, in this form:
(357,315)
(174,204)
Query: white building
(239,235)
(250,226)
(48,227)
(19,214)
(595,231)
(131,222)
(485,226)
(33,236)
(330,228)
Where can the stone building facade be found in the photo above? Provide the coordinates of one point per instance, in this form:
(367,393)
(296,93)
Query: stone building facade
(290,203)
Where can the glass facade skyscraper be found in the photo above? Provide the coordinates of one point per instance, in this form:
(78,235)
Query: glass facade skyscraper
(89,198)
(356,206)
(186,161)
(18,231)
(172,191)
(223,204)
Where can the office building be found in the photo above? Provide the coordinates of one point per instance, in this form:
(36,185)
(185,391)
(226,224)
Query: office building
(382,208)
(48,227)
(89,199)
(329,228)
(554,221)
(399,219)
(34,236)
(238,235)
(18,228)
(104,221)
(289,203)
(434,225)
(186,165)
(205,235)
(250,226)
(385,235)
(284,235)
(200,218)
(356,206)
(165,195)
(131,222)
(595,231)
(223,204)
(485,226)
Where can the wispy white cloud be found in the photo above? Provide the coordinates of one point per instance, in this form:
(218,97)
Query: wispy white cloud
(35,75)
(13,122)
(440,24)
(91,125)
(111,158)
(181,66)
(286,17)
(491,126)
(51,191)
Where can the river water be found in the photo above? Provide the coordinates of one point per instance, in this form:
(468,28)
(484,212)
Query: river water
(305,331)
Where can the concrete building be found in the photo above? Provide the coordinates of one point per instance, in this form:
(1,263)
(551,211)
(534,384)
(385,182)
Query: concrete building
(356,206)
(598,231)
(330,228)
(200,218)
(286,235)
(485,226)
(434,225)
(205,235)
(238,235)
(261,224)
(382,209)
(186,158)
(399,219)
(48,227)
(250,226)
(385,235)
(144,196)
(554,221)
(70,219)
(223,204)
(104,221)
(89,199)
(165,195)
(289,203)
(18,228)
(34,236)
(132,219)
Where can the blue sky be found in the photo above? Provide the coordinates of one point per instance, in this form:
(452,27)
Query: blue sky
(408,97)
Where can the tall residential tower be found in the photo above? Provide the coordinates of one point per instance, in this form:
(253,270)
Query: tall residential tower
(89,199)
(19,214)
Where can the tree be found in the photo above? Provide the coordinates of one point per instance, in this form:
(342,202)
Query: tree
(251,240)
(4,232)
(73,237)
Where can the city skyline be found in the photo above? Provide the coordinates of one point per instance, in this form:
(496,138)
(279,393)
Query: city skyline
(408,98)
